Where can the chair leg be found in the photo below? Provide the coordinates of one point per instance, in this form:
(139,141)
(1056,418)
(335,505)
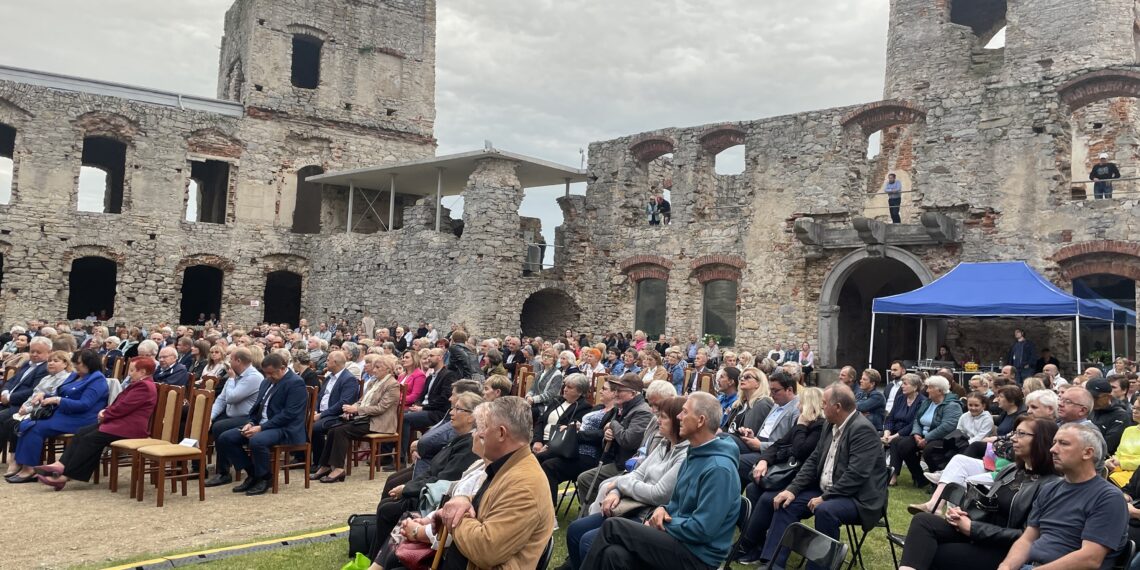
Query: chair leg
(202,481)
(887,525)
(273,467)
(308,464)
(373,458)
(114,476)
(161,483)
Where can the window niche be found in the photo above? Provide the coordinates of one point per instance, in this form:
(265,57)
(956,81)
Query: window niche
(719,310)
(985,18)
(102,175)
(7,162)
(208,191)
(306,68)
(649,306)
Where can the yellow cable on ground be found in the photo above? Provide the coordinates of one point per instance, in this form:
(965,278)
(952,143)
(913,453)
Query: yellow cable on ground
(225,549)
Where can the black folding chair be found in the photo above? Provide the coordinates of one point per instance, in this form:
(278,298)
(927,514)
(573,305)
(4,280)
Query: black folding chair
(741,522)
(953,495)
(544,560)
(884,522)
(813,546)
(1125,559)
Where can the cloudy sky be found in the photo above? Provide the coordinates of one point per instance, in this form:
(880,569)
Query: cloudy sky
(539,77)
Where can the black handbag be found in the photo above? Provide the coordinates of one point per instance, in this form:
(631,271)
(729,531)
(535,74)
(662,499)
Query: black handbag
(361,533)
(564,442)
(42,412)
(779,476)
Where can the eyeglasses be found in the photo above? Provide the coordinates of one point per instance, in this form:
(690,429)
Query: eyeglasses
(1069,402)
(748,377)
(777,390)
(461,410)
(1019,433)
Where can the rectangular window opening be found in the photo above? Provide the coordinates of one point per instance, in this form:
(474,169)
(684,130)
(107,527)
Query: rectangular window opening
(102,175)
(7,162)
(306,72)
(208,191)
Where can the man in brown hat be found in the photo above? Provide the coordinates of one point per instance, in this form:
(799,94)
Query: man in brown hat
(624,430)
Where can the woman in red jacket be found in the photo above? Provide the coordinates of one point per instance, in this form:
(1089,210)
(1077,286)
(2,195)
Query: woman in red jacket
(126,418)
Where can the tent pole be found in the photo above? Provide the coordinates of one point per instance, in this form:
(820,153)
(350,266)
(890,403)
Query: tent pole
(351,191)
(921,321)
(871,350)
(1078,345)
(1112,329)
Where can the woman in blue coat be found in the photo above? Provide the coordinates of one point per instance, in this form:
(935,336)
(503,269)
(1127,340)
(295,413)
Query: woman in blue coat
(77,402)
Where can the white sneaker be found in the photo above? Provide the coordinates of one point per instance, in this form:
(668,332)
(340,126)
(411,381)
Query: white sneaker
(933,477)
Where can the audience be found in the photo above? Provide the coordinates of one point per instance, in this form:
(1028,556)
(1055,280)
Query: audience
(694,530)
(340,388)
(1109,415)
(375,413)
(936,418)
(624,428)
(547,385)
(559,415)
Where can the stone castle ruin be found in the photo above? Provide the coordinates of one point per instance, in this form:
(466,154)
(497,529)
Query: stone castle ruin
(993,147)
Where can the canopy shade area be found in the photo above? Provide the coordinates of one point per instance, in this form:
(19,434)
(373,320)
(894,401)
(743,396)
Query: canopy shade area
(445,176)
(1010,290)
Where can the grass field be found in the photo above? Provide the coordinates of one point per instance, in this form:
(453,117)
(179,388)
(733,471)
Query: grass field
(333,554)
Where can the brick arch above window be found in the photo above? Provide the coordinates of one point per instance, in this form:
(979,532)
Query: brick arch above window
(1096,86)
(92,250)
(1113,257)
(713,267)
(874,117)
(110,125)
(717,139)
(639,267)
(646,149)
(213,142)
(207,259)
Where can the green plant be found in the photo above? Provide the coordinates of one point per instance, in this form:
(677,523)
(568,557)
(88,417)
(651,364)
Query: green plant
(1100,356)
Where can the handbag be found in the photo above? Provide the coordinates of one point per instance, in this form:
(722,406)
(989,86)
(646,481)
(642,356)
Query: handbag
(564,443)
(779,476)
(42,412)
(415,555)
(361,532)
(630,509)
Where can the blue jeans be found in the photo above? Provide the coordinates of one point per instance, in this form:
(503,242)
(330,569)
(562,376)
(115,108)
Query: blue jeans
(580,535)
(829,516)
(1102,190)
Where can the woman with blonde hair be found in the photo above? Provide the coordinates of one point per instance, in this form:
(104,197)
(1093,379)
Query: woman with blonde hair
(747,360)
(374,413)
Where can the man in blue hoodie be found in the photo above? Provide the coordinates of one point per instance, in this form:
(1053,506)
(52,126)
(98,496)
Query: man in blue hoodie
(695,529)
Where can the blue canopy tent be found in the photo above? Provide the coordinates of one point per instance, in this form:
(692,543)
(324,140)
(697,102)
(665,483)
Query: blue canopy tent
(1120,315)
(995,290)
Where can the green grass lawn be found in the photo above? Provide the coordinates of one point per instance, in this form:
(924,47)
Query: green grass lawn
(333,554)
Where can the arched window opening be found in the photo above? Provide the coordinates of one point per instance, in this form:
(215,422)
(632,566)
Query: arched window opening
(7,162)
(1104,127)
(1097,342)
(548,312)
(201,293)
(283,297)
(102,175)
(208,191)
(306,72)
(730,161)
(307,210)
(719,310)
(91,287)
(649,306)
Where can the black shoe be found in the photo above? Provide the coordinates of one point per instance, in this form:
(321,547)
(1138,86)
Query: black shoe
(258,488)
(219,479)
(17,479)
(389,468)
(245,485)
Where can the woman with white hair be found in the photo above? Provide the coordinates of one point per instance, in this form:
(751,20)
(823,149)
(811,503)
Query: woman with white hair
(935,419)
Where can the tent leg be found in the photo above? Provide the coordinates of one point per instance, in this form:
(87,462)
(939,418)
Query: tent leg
(1112,329)
(871,349)
(1078,346)
(921,322)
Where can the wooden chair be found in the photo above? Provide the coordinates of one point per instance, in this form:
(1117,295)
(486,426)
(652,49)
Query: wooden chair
(688,383)
(210,383)
(705,382)
(599,382)
(279,455)
(165,427)
(521,372)
(165,457)
(375,440)
(120,367)
(525,383)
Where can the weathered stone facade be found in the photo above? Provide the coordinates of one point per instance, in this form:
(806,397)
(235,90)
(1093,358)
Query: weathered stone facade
(991,146)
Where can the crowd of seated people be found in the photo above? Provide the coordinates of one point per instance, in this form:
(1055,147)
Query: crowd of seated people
(659,465)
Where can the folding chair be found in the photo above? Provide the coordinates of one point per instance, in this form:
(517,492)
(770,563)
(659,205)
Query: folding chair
(857,545)
(813,546)
(951,495)
(741,522)
(566,486)
(1122,562)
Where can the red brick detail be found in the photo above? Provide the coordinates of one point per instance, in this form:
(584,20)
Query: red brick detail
(719,138)
(717,272)
(651,147)
(719,259)
(1068,253)
(207,259)
(1099,85)
(213,142)
(648,272)
(876,116)
(111,125)
(1129,268)
(629,262)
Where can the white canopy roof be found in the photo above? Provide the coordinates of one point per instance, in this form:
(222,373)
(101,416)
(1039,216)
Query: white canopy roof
(421,176)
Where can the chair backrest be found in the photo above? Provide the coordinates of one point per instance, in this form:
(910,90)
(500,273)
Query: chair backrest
(120,367)
(309,419)
(114,388)
(201,403)
(400,409)
(210,383)
(544,560)
(599,382)
(814,546)
(706,383)
(525,384)
(167,421)
(1125,559)
(688,381)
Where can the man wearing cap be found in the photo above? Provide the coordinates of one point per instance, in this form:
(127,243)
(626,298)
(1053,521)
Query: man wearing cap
(1101,172)
(1108,415)
(625,429)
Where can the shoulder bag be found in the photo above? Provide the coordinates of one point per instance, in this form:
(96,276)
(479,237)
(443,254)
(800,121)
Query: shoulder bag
(779,476)
(564,443)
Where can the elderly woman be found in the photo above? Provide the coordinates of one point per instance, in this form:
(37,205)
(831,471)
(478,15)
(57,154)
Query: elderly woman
(558,415)
(303,367)
(869,400)
(935,419)
(128,417)
(413,379)
(568,363)
(962,467)
(647,487)
(448,465)
(375,413)
(982,539)
(58,371)
(795,445)
(77,405)
(110,352)
(546,386)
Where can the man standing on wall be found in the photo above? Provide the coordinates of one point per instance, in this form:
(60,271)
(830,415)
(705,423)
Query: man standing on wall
(1101,172)
(893,188)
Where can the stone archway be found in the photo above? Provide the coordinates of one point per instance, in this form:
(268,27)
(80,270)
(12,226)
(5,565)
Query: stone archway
(548,312)
(845,301)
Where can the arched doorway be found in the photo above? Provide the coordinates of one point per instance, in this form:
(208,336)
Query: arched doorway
(91,287)
(1096,337)
(201,293)
(548,312)
(845,309)
(283,297)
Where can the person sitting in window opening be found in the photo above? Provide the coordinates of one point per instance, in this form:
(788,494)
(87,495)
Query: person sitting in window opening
(893,188)
(1101,172)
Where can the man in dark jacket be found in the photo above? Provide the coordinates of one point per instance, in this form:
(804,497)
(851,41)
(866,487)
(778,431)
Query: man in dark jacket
(17,390)
(1022,356)
(169,370)
(1102,172)
(1108,415)
(434,404)
(844,481)
(625,429)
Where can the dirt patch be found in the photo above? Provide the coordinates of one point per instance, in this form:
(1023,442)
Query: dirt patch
(101,526)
